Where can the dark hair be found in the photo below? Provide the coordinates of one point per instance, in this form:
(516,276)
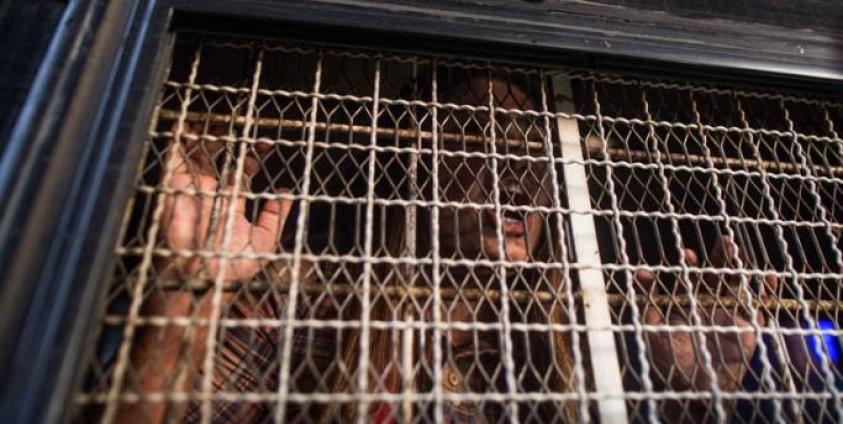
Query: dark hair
(449,78)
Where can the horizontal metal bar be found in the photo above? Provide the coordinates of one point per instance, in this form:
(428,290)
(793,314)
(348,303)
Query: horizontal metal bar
(728,162)
(594,150)
(518,296)
(409,134)
(330,397)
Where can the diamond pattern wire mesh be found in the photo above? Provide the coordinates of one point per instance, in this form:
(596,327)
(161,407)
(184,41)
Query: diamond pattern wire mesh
(323,234)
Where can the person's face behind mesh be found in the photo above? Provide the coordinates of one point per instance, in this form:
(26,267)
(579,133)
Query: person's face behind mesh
(471,232)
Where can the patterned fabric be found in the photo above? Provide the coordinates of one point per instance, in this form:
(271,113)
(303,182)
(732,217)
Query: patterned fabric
(248,359)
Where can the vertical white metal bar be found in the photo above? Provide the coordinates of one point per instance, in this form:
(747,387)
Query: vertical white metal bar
(438,413)
(579,372)
(508,361)
(407,365)
(295,277)
(216,299)
(605,365)
(365,303)
(122,364)
(838,257)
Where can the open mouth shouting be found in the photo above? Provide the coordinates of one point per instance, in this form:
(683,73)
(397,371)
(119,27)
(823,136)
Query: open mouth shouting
(513,224)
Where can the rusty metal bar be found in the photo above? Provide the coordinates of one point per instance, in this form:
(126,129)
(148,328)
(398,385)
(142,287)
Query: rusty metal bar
(403,134)
(518,296)
(594,149)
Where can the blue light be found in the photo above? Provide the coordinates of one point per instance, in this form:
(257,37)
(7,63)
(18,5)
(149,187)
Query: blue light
(832,350)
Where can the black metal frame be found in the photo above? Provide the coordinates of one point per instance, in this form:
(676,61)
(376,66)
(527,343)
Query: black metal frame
(66,169)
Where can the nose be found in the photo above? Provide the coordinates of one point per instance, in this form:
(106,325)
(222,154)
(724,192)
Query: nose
(512,191)
(511,187)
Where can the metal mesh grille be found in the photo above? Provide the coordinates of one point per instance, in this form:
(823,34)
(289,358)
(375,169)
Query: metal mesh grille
(325,234)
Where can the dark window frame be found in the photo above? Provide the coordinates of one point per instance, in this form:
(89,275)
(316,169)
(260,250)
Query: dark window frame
(66,169)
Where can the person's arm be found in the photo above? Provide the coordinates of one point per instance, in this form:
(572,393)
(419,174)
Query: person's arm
(168,358)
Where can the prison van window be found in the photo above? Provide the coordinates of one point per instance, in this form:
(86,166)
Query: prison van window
(333,234)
